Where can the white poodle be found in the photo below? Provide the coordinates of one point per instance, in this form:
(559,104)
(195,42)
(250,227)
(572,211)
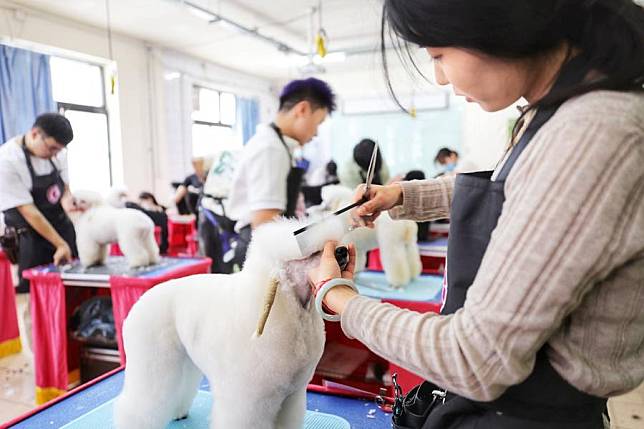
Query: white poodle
(205,324)
(397,240)
(98,224)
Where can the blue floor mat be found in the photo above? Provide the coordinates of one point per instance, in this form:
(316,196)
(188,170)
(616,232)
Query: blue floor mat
(423,288)
(198,418)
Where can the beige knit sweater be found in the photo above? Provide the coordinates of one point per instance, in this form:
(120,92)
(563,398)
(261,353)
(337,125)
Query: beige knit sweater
(565,266)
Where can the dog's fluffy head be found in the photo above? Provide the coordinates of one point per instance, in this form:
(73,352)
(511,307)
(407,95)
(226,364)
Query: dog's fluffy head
(276,243)
(85,200)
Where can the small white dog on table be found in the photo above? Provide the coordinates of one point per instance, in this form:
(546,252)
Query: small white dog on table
(208,325)
(98,224)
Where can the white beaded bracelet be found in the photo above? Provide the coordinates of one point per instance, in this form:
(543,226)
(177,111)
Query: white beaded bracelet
(323,291)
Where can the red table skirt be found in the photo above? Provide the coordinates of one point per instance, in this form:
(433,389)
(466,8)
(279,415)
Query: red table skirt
(9,333)
(54,365)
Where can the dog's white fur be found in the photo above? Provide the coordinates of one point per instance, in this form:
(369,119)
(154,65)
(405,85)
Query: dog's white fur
(205,324)
(397,240)
(98,224)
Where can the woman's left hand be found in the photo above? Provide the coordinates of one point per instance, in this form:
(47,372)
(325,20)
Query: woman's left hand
(337,298)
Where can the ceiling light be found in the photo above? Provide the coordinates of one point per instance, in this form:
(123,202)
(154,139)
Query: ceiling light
(333,57)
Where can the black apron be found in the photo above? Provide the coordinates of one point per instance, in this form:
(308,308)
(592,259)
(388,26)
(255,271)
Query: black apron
(293,181)
(34,250)
(544,399)
(293,188)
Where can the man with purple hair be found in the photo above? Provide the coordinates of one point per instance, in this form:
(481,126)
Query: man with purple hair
(267,181)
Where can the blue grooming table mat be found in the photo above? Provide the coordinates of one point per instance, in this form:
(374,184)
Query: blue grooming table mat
(437,247)
(117,266)
(198,417)
(358,413)
(425,288)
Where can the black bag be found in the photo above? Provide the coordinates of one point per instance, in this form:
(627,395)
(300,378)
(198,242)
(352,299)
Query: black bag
(93,322)
(10,243)
(411,411)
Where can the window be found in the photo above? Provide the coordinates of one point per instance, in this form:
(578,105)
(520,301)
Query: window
(213,118)
(79,91)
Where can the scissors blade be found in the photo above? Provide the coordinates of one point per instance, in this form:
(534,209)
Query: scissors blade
(372,167)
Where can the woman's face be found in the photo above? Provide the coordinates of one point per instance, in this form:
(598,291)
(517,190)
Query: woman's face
(491,82)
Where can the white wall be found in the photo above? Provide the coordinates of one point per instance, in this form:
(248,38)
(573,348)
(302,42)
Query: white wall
(148,151)
(131,109)
(176,75)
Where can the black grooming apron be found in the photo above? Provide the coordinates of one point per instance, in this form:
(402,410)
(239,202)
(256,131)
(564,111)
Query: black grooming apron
(294,179)
(34,250)
(544,400)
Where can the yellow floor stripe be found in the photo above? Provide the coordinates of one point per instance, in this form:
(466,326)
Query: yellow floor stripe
(46,394)
(10,347)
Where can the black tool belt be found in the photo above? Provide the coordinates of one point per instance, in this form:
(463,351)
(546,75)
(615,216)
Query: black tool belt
(411,411)
(10,242)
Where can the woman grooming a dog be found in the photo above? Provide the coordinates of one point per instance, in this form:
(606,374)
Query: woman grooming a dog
(544,313)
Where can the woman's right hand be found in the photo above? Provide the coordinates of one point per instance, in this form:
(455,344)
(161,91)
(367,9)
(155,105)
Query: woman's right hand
(379,198)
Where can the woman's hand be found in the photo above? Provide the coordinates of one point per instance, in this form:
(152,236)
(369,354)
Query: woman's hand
(379,198)
(337,298)
(329,268)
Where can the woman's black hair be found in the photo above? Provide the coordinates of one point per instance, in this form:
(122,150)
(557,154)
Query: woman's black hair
(362,156)
(149,196)
(609,33)
(444,153)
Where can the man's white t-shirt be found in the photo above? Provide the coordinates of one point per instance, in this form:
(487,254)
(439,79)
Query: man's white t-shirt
(259,182)
(15,180)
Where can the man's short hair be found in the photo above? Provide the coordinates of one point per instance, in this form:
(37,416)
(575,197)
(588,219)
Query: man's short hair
(317,92)
(56,126)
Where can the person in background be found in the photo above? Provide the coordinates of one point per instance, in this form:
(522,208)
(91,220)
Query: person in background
(447,159)
(148,204)
(267,182)
(34,194)
(451,163)
(354,171)
(186,197)
(148,201)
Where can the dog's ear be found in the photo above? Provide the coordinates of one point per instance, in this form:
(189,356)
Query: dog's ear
(295,275)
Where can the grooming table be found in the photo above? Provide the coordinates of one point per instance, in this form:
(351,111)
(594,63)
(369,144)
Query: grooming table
(55,292)
(348,361)
(9,333)
(432,255)
(89,406)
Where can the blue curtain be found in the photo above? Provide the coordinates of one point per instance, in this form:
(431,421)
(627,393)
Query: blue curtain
(25,90)
(247,117)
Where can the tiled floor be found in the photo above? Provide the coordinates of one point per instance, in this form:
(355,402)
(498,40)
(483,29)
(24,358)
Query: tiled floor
(17,392)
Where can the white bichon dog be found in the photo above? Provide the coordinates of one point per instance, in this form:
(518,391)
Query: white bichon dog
(397,239)
(98,224)
(205,324)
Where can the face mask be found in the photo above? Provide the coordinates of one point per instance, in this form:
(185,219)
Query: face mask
(450,166)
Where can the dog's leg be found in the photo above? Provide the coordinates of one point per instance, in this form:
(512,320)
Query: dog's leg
(245,408)
(395,264)
(415,263)
(105,251)
(154,371)
(89,252)
(187,390)
(292,413)
(134,249)
(152,247)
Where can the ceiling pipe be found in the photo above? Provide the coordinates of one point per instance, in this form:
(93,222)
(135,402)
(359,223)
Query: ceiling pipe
(216,17)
